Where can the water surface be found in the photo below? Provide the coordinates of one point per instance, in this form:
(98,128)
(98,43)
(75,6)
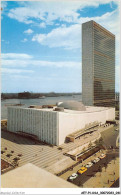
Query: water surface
(28,102)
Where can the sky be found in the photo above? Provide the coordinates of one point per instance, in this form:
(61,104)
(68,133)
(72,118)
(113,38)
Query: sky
(41,43)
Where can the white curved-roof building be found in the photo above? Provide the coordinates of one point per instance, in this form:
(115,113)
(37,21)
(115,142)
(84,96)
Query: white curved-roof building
(54,125)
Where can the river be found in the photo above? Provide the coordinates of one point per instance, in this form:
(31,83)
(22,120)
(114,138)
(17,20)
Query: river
(28,102)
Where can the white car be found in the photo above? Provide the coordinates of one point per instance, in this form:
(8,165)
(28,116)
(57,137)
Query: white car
(73,176)
(89,164)
(96,160)
(102,156)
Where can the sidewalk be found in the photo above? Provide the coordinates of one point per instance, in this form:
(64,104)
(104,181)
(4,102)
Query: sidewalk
(106,178)
(102,128)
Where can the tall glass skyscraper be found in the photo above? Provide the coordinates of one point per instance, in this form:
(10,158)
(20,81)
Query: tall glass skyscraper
(98,65)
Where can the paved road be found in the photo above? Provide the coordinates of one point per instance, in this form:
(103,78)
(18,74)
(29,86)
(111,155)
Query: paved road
(109,138)
(81,179)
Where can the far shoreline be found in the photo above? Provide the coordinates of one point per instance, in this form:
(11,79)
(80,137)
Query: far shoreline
(28,95)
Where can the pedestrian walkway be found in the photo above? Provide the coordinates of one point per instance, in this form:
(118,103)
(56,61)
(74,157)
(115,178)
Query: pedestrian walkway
(105,178)
(102,128)
(40,155)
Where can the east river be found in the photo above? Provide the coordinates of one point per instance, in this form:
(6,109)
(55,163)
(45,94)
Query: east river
(27,102)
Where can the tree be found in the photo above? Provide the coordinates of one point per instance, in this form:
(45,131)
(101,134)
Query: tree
(16,159)
(114,158)
(105,165)
(101,140)
(100,169)
(90,145)
(2,151)
(9,155)
(96,142)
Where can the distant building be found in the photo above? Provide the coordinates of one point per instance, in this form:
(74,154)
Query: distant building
(98,65)
(53,125)
(24,95)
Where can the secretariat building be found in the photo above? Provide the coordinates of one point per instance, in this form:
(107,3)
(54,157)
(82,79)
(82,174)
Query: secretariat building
(98,65)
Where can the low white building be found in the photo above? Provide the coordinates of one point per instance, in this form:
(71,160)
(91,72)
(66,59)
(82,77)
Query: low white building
(51,125)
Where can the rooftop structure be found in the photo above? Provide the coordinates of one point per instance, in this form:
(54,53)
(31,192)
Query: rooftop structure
(98,65)
(72,105)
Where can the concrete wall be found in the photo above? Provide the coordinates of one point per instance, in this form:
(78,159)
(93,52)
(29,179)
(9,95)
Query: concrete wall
(87,63)
(44,124)
(68,123)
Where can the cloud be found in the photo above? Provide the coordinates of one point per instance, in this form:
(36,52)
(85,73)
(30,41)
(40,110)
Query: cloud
(67,37)
(3,4)
(15,71)
(15,56)
(15,63)
(70,37)
(20,77)
(3,8)
(24,60)
(29,31)
(57,64)
(42,25)
(48,12)
(24,40)
(21,14)
(39,63)
(6,42)
(15,59)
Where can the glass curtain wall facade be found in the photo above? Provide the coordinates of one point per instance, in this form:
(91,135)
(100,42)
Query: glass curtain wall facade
(101,58)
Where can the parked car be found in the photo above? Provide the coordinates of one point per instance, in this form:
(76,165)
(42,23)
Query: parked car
(96,160)
(111,147)
(89,164)
(72,177)
(102,156)
(82,170)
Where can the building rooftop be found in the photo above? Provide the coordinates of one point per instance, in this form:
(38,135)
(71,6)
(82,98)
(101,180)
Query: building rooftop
(70,109)
(100,27)
(31,176)
(89,109)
